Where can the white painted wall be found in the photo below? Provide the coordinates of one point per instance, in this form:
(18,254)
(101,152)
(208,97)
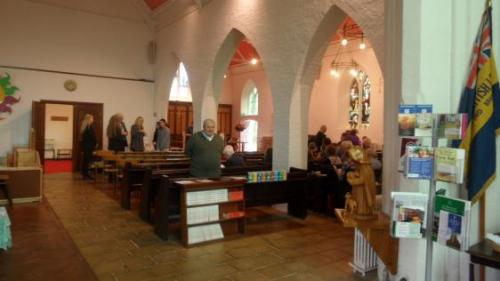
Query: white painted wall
(329,103)
(60,131)
(436,45)
(39,35)
(238,78)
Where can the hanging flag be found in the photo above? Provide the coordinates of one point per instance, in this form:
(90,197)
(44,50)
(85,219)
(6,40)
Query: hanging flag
(481,101)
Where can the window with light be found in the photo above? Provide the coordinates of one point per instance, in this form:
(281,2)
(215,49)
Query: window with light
(250,100)
(180,90)
(250,135)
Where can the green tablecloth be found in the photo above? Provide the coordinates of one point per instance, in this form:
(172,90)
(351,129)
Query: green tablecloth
(5,237)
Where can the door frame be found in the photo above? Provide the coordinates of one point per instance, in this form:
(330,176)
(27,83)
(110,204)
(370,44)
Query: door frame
(40,125)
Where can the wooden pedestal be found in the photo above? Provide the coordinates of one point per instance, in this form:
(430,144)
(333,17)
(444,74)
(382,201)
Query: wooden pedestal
(377,233)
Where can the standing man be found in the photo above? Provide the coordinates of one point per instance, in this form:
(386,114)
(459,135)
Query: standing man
(205,149)
(320,137)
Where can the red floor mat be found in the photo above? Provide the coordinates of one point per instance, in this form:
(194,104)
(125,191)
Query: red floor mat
(58,166)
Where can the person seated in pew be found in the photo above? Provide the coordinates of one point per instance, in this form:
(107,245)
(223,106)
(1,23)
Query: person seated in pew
(232,159)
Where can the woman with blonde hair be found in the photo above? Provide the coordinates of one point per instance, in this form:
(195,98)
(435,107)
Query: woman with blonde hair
(88,143)
(116,133)
(137,135)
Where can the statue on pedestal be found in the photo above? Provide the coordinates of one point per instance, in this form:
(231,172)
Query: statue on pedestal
(362,180)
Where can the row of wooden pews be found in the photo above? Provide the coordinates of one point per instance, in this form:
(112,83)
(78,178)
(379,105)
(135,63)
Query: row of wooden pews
(152,174)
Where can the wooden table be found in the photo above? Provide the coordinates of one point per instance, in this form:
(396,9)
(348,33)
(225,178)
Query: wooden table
(482,253)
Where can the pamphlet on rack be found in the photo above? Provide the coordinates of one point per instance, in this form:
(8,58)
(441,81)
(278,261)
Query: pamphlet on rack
(419,162)
(406,141)
(415,120)
(408,214)
(451,126)
(449,164)
(452,222)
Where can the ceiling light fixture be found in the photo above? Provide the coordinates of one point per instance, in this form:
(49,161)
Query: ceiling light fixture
(254,61)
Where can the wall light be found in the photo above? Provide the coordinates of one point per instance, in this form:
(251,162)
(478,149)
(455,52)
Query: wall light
(254,61)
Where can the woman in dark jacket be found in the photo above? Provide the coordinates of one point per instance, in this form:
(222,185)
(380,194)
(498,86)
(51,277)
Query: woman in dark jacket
(117,133)
(137,135)
(88,141)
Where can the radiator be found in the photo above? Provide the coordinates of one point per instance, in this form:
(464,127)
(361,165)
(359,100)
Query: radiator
(364,258)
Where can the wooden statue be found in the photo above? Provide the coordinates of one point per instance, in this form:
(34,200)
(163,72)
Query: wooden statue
(350,205)
(362,180)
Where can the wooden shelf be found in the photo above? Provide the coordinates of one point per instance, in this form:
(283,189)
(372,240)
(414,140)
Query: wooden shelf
(216,203)
(230,227)
(216,221)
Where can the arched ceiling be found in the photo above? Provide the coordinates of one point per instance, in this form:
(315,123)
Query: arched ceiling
(246,51)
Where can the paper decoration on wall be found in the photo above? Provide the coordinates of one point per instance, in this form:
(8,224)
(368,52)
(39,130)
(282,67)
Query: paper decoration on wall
(7,92)
(360,104)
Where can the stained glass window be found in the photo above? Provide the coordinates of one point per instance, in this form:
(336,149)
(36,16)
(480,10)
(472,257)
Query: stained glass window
(360,104)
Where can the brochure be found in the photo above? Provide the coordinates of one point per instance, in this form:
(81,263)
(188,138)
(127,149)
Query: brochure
(419,162)
(449,164)
(408,214)
(452,222)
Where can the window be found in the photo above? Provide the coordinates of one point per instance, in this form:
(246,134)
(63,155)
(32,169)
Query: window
(180,90)
(250,100)
(360,101)
(249,135)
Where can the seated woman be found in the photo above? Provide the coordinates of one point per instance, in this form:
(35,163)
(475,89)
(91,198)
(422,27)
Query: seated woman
(232,159)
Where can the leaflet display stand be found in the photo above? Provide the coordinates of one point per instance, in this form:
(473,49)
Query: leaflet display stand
(449,126)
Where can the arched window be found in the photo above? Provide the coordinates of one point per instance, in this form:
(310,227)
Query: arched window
(250,100)
(180,90)
(249,135)
(360,101)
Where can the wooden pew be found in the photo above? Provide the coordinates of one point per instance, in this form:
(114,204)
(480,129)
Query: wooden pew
(133,176)
(152,182)
(291,191)
(150,187)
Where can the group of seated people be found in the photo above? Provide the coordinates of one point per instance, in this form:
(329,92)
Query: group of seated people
(332,159)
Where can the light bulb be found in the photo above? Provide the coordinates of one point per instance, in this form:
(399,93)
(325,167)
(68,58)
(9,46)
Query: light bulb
(254,61)
(362,46)
(225,76)
(334,73)
(353,72)
(343,42)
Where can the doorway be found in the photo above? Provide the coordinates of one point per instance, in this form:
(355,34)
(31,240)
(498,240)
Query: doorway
(58,149)
(46,145)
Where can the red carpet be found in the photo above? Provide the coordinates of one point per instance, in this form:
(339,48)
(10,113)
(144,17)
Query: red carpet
(58,166)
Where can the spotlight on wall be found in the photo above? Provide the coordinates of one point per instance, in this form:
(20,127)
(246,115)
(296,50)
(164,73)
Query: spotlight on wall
(343,42)
(254,61)
(353,72)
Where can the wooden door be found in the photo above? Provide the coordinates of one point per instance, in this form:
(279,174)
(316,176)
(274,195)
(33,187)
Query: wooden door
(38,125)
(224,119)
(180,115)
(79,111)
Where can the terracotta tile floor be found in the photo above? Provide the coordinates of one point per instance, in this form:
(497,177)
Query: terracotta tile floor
(119,246)
(42,249)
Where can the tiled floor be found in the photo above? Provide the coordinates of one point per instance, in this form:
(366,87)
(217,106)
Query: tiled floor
(42,249)
(119,246)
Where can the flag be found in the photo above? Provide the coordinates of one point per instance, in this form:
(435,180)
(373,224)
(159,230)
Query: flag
(481,101)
